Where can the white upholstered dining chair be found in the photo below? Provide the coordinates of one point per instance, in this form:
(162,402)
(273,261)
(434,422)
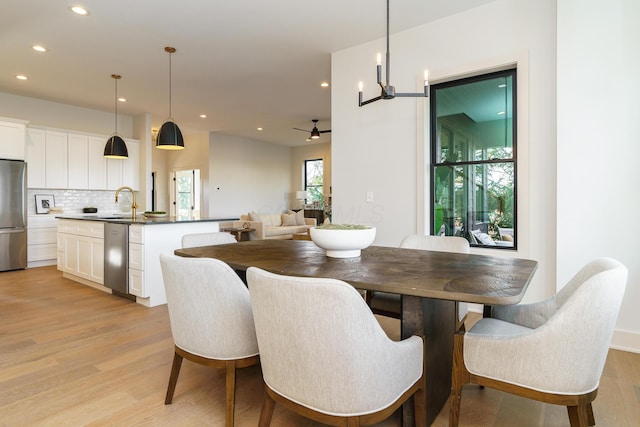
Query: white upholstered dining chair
(207,239)
(211,319)
(390,305)
(552,351)
(325,356)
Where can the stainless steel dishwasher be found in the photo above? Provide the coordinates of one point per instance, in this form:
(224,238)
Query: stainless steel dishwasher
(116,257)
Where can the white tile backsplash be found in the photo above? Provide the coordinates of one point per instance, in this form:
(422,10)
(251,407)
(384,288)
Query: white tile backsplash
(72,201)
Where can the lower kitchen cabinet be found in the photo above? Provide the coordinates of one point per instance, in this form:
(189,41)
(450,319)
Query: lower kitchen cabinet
(81,249)
(42,248)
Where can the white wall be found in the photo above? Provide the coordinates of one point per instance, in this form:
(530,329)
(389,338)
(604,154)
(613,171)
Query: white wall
(195,155)
(599,144)
(379,148)
(53,114)
(247,175)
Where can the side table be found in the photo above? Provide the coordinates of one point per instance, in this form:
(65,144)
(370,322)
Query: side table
(241,234)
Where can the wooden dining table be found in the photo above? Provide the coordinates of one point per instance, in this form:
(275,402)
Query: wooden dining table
(429,282)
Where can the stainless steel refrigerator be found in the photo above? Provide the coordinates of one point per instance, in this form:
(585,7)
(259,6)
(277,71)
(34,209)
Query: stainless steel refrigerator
(13,215)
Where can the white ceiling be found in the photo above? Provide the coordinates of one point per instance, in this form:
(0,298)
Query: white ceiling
(243,63)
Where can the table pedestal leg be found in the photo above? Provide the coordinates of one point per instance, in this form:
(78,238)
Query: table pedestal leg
(436,320)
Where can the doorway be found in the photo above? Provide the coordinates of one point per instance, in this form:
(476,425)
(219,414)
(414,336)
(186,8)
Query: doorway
(186,193)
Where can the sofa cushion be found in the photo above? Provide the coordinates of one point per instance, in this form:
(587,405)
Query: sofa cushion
(271,231)
(288,219)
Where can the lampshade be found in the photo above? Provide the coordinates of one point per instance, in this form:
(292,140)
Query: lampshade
(169,137)
(116,148)
(301,195)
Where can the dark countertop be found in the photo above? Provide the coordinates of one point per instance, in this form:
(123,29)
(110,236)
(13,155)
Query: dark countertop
(141,219)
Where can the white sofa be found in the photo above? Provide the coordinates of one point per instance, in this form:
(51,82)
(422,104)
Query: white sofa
(275,226)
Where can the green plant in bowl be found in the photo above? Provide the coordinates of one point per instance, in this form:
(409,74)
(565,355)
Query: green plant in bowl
(343,227)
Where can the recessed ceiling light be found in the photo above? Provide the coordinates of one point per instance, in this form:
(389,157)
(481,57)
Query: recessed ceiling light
(324,84)
(259,129)
(203,116)
(79,10)
(21,77)
(122,99)
(39,48)
(501,113)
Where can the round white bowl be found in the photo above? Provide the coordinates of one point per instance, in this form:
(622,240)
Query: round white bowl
(342,243)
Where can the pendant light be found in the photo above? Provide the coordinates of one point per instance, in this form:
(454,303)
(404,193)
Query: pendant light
(116,147)
(169,136)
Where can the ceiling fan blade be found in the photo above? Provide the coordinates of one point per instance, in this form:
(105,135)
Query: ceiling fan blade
(303,130)
(325,131)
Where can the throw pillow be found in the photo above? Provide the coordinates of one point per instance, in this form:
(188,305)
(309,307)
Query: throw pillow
(300,218)
(288,219)
(253,216)
(485,239)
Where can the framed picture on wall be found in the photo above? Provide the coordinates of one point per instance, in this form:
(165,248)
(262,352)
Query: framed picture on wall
(44,202)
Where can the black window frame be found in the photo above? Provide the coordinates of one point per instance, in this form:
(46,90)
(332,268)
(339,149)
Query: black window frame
(433,114)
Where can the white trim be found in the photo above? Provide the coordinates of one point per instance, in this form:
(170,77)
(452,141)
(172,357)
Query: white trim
(626,341)
(519,60)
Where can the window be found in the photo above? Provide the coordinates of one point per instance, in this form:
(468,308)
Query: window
(186,193)
(313,182)
(473,159)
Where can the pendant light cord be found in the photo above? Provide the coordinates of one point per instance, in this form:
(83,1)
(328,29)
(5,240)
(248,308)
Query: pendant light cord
(387,59)
(170,50)
(116,77)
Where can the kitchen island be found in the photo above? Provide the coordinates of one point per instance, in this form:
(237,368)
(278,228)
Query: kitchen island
(82,256)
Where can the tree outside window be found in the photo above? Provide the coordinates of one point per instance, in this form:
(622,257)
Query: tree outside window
(473,159)
(313,182)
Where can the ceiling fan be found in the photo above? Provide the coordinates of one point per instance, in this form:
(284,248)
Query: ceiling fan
(315,133)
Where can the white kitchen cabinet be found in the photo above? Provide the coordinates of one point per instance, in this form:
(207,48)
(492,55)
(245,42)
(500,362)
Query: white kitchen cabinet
(12,139)
(55,160)
(81,250)
(146,243)
(78,161)
(46,157)
(35,157)
(131,165)
(136,261)
(74,160)
(97,163)
(124,171)
(41,240)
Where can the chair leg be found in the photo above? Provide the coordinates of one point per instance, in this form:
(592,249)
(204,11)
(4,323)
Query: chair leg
(173,378)
(578,415)
(267,410)
(231,390)
(590,418)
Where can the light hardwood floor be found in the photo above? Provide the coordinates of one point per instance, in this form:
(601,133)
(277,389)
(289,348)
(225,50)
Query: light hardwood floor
(74,356)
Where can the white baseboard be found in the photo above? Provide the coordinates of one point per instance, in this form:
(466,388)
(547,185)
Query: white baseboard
(626,341)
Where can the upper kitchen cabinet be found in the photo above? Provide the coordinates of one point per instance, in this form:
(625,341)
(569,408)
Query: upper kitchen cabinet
(59,159)
(124,171)
(97,163)
(46,156)
(78,160)
(12,139)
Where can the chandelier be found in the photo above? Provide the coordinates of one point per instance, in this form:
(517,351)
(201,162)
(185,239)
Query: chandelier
(387,91)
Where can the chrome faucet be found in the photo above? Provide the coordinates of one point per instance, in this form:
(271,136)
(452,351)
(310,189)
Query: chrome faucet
(134,206)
